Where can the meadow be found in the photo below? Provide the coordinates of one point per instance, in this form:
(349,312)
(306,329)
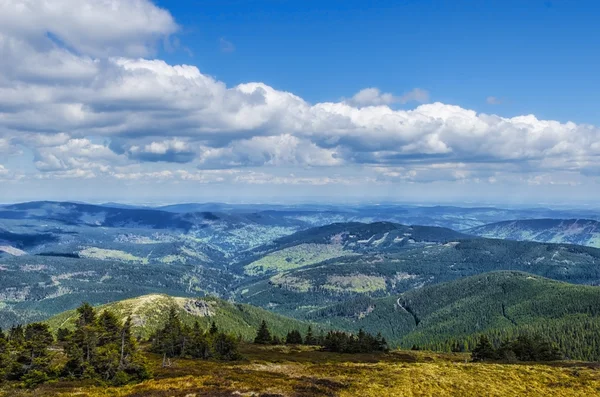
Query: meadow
(271,371)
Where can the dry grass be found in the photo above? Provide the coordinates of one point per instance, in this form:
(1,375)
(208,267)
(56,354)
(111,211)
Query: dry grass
(284,371)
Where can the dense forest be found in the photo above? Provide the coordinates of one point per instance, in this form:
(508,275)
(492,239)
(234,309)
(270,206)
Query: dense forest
(499,304)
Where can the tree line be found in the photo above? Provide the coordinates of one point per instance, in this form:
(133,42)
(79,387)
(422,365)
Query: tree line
(103,348)
(176,339)
(333,341)
(522,348)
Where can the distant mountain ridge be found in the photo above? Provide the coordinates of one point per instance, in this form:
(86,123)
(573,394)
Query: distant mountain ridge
(568,231)
(53,255)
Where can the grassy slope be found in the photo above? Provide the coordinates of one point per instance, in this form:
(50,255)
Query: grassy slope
(294,257)
(284,371)
(148,312)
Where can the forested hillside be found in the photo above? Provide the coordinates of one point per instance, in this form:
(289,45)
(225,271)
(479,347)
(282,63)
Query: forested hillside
(338,279)
(570,231)
(499,304)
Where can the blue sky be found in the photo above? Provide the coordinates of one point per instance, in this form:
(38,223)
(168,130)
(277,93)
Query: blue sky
(419,101)
(536,56)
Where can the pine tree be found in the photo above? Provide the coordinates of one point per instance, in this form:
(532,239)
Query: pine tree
(32,357)
(309,339)
(225,347)
(103,347)
(16,336)
(63,334)
(263,335)
(199,346)
(293,338)
(82,345)
(213,328)
(276,340)
(484,350)
(168,341)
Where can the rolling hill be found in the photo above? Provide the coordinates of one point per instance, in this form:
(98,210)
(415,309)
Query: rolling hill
(497,303)
(300,289)
(148,313)
(500,304)
(336,240)
(569,231)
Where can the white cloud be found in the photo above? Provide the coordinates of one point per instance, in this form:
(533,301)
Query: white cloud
(374,97)
(75,154)
(174,150)
(97,28)
(269,150)
(86,105)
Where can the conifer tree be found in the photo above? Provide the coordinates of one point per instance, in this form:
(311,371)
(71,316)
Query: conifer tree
(31,360)
(293,338)
(310,339)
(16,336)
(199,346)
(484,350)
(226,347)
(103,347)
(276,340)
(63,334)
(263,335)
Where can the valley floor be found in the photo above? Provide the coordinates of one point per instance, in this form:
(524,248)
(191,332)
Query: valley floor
(303,371)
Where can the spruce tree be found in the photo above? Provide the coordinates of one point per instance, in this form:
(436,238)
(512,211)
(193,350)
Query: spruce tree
(225,347)
(168,341)
(32,356)
(103,347)
(63,334)
(16,336)
(484,350)
(276,340)
(199,346)
(310,339)
(263,335)
(293,338)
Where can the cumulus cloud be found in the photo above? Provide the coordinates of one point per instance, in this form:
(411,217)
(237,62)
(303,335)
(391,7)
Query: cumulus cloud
(75,154)
(374,97)
(97,28)
(269,150)
(77,92)
(174,151)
